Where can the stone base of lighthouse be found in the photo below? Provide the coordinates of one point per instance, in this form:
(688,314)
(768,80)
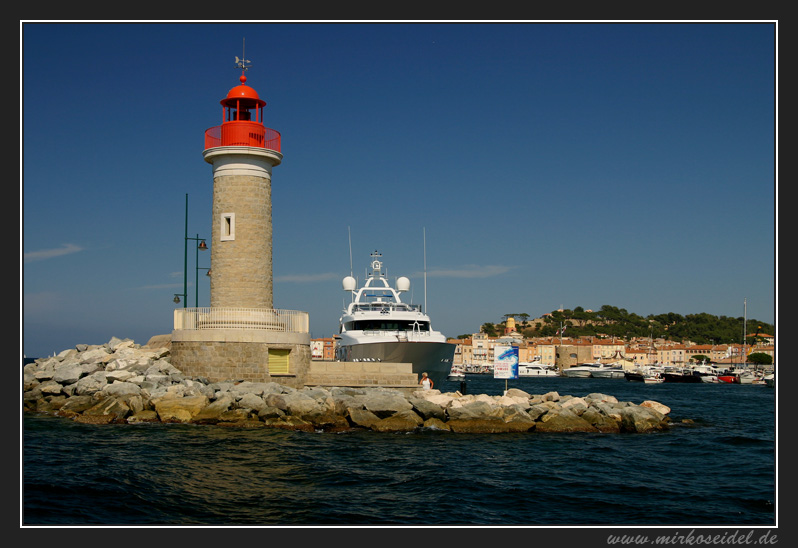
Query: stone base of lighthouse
(242,355)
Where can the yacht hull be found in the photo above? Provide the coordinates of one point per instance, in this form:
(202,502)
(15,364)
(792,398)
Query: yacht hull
(576,374)
(433,358)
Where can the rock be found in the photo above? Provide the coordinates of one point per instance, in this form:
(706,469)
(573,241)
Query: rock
(118,388)
(91,383)
(474,410)
(238,414)
(94,419)
(600,421)
(300,404)
(75,405)
(516,393)
(664,409)
(68,374)
(539,409)
(144,416)
(276,400)
(477,425)
(113,408)
(362,417)
(160,341)
(329,422)
(94,355)
(290,423)
(270,412)
(563,420)
(577,405)
(50,387)
(435,424)
(212,413)
(119,375)
(641,419)
(251,401)
(173,409)
(386,404)
(427,409)
(551,396)
(401,421)
(597,397)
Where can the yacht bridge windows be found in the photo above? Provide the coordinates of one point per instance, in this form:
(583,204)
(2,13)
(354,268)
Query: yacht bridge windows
(387,325)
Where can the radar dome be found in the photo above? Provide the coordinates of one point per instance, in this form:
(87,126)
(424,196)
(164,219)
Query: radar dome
(349,283)
(402,284)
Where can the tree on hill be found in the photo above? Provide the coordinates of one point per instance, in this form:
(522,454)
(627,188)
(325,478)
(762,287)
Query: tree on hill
(760,358)
(617,322)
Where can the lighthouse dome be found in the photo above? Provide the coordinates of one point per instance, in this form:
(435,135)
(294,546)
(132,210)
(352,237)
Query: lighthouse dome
(243,93)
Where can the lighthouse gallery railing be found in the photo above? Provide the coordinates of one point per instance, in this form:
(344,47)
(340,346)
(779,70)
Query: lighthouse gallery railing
(250,134)
(290,321)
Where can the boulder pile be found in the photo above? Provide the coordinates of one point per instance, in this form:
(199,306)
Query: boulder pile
(123,382)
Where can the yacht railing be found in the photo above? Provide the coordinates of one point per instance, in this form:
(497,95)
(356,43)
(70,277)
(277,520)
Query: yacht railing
(387,307)
(400,333)
(291,321)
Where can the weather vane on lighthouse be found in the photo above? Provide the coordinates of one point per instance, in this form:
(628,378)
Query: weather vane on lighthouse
(242,63)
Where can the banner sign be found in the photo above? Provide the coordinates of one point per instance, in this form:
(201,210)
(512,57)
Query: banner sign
(505,363)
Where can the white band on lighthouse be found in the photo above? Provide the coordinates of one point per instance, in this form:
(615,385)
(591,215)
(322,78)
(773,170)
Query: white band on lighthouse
(251,161)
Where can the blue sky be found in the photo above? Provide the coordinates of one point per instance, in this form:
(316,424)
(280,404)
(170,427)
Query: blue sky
(548,165)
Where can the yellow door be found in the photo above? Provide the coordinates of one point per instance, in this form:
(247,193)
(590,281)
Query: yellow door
(278,361)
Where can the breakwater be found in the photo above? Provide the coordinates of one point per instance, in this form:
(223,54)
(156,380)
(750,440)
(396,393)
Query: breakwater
(122,382)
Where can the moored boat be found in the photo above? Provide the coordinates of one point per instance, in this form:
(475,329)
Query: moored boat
(770,380)
(378,326)
(456,374)
(608,371)
(742,376)
(683,376)
(646,374)
(536,369)
(581,371)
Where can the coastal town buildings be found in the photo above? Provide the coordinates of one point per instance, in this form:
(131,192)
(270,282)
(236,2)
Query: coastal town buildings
(476,353)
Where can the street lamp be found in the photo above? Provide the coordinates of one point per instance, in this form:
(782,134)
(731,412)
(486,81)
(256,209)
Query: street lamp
(200,246)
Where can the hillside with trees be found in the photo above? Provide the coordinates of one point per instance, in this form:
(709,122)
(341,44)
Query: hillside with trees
(611,321)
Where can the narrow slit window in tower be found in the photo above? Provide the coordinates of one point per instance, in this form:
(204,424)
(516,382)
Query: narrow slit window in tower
(228,227)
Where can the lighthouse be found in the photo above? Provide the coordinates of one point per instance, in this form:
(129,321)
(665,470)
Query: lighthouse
(243,153)
(241,336)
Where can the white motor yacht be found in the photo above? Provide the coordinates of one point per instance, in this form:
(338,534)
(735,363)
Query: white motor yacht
(582,370)
(608,371)
(536,369)
(378,326)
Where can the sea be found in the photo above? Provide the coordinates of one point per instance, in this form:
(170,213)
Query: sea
(716,466)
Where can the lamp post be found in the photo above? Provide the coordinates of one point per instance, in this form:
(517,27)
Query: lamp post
(200,246)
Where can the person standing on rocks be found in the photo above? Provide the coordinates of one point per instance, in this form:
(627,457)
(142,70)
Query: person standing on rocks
(425,381)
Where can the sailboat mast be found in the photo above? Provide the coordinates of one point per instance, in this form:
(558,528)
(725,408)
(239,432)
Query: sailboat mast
(745,321)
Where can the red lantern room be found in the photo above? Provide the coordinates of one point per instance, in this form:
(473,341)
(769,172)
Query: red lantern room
(242,121)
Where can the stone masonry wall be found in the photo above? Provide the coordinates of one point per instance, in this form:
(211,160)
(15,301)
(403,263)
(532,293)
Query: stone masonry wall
(329,373)
(238,361)
(241,273)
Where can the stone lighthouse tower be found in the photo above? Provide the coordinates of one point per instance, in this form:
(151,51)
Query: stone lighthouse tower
(241,336)
(242,152)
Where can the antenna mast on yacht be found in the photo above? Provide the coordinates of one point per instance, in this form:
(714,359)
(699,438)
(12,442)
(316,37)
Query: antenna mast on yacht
(425,268)
(350,250)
